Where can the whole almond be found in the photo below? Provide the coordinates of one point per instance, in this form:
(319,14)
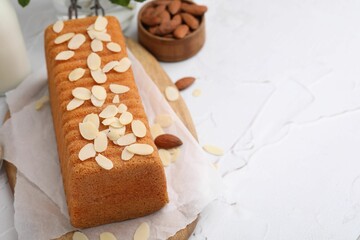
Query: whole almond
(176,20)
(167,141)
(190,20)
(159,9)
(154,30)
(194,9)
(165,16)
(148,11)
(165,28)
(174,7)
(184,83)
(181,31)
(150,20)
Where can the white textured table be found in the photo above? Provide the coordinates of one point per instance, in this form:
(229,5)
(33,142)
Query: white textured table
(280,85)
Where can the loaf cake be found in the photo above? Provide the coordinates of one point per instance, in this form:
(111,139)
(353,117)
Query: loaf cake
(109,163)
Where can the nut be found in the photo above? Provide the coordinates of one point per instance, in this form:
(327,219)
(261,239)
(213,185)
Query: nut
(164,16)
(174,7)
(194,9)
(167,141)
(181,31)
(184,83)
(150,20)
(190,20)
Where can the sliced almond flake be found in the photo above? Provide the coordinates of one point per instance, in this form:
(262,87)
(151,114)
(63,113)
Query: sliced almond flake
(40,103)
(172,93)
(142,232)
(101,142)
(99,92)
(126,155)
(116,124)
(109,66)
(79,236)
(126,118)
(76,41)
(164,120)
(64,38)
(122,108)
(106,164)
(91,33)
(118,89)
(88,130)
(165,157)
(107,236)
(214,150)
(94,61)
(58,26)
(126,140)
(81,93)
(156,130)
(64,55)
(100,23)
(140,149)
(102,36)
(87,151)
(197,92)
(98,76)
(76,74)
(175,152)
(96,102)
(94,118)
(115,133)
(116,99)
(91,27)
(74,103)
(109,121)
(96,45)
(114,47)
(109,111)
(124,65)
(138,128)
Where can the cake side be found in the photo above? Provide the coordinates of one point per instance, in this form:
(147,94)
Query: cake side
(95,195)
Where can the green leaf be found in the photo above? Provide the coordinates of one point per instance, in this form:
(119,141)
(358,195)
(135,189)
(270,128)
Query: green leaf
(121,2)
(24,3)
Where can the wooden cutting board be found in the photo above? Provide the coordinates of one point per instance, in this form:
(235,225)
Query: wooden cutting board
(162,80)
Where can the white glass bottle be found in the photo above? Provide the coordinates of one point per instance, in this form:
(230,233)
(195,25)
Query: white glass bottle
(14,62)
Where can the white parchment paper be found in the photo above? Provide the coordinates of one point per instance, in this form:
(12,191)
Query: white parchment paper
(40,208)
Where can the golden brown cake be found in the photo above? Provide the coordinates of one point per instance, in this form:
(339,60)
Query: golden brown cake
(102,185)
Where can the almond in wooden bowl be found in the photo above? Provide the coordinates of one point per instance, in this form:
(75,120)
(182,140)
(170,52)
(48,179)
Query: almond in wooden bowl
(172,30)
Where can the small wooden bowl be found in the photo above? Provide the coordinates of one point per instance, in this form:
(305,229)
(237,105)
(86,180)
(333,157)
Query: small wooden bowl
(167,49)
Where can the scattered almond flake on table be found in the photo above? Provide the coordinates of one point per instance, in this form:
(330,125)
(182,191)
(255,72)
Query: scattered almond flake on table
(64,55)
(96,45)
(109,111)
(109,66)
(197,92)
(118,89)
(79,236)
(87,151)
(94,118)
(88,130)
(122,108)
(138,128)
(101,142)
(172,93)
(58,26)
(214,150)
(93,61)
(126,155)
(156,130)
(165,157)
(164,120)
(81,93)
(100,23)
(96,102)
(64,38)
(124,65)
(140,149)
(126,118)
(99,76)
(142,232)
(40,103)
(116,99)
(99,92)
(74,103)
(114,47)
(109,121)
(175,152)
(126,140)
(104,162)
(76,74)
(76,41)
